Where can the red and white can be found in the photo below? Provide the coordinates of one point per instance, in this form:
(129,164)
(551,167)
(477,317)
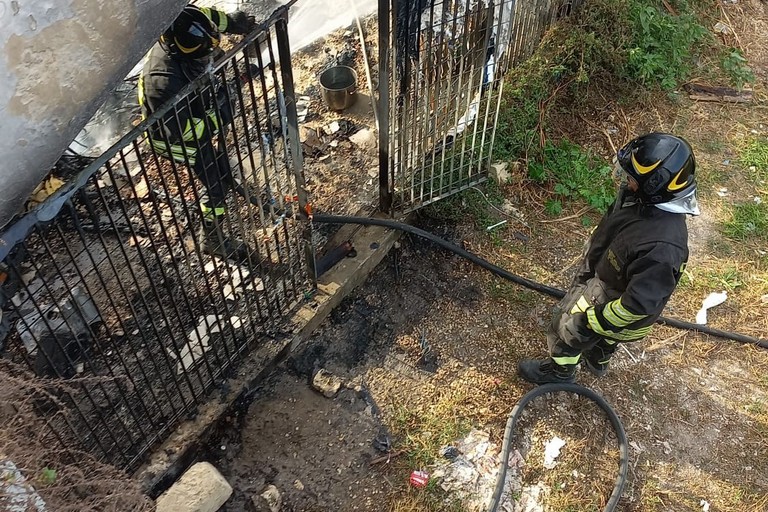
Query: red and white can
(419,479)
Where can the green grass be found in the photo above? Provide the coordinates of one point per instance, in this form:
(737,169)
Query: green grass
(423,432)
(749,221)
(512,293)
(728,278)
(754,157)
(613,45)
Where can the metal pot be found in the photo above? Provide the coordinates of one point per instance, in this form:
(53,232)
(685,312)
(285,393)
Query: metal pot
(338,86)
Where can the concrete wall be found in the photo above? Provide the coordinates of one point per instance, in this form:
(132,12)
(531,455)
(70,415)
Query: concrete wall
(58,61)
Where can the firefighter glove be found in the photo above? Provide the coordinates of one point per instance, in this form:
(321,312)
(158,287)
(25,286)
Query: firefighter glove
(583,330)
(240,23)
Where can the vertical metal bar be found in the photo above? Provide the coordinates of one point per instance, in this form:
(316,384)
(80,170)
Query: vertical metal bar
(76,431)
(110,259)
(449,100)
(385,194)
(500,68)
(478,98)
(159,302)
(432,76)
(233,217)
(297,160)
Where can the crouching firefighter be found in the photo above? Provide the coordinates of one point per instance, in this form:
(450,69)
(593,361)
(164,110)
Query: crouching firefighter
(632,264)
(188,134)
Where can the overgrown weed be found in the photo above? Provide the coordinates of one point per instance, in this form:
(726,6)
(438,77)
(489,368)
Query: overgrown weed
(577,174)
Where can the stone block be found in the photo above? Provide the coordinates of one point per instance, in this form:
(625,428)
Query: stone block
(200,489)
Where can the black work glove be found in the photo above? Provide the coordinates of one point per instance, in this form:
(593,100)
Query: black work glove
(240,23)
(583,331)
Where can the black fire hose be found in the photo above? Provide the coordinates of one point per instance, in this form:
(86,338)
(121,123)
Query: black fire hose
(522,281)
(621,438)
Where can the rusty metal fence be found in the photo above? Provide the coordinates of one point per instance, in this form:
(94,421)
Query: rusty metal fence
(442,64)
(106,287)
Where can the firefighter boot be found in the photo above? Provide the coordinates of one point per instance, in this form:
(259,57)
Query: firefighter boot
(213,241)
(544,371)
(596,360)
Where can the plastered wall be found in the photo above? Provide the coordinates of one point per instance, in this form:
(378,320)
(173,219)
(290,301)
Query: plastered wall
(58,60)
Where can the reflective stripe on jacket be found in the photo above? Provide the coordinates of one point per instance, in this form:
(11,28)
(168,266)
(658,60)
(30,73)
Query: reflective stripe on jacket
(638,253)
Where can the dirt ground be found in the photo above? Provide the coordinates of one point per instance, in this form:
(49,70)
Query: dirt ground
(427,350)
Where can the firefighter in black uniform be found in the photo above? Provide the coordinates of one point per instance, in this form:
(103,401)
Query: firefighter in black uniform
(188,134)
(632,264)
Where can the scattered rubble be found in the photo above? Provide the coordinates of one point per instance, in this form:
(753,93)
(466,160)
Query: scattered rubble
(326,383)
(318,141)
(363,138)
(270,500)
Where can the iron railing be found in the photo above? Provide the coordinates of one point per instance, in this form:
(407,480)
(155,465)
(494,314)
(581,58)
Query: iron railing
(107,287)
(442,64)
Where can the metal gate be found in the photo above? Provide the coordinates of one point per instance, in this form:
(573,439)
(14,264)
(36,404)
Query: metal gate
(106,291)
(442,64)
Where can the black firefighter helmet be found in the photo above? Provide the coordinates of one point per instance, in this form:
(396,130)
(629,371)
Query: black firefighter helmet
(663,166)
(192,35)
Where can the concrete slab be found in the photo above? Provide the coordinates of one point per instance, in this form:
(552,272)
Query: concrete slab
(179,450)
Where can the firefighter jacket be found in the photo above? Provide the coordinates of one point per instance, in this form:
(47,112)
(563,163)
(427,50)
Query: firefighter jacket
(194,122)
(638,253)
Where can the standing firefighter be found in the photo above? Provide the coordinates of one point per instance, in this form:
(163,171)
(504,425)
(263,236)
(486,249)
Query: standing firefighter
(189,133)
(632,265)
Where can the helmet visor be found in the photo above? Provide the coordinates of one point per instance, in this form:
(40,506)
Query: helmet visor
(687,204)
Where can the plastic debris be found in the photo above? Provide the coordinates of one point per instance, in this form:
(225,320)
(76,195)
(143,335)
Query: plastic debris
(419,479)
(382,441)
(552,451)
(198,340)
(449,452)
(722,28)
(712,300)
(723,192)
(19,495)
(704,505)
(302,108)
(494,226)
